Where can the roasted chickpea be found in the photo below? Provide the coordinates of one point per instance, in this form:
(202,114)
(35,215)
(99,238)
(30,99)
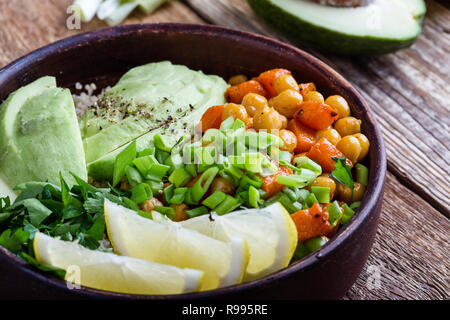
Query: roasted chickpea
(314,96)
(268,119)
(287,102)
(344,193)
(347,126)
(325,180)
(351,147)
(284,122)
(253,102)
(124,185)
(285,82)
(289,139)
(236,111)
(365,144)
(237,79)
(340,104)
(180,212)
(330,134)
(222,184)
(150,205)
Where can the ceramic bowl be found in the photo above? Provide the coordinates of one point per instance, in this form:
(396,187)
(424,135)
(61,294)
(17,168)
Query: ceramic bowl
(102,56)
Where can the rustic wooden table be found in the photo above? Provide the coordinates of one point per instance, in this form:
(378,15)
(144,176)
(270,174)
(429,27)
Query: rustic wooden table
(409,92)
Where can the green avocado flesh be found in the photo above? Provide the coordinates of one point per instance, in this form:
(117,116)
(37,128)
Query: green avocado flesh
(39,136)
(155,98)
(381,27)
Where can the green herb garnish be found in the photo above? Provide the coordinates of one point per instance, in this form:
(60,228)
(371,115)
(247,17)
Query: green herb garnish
(342,173)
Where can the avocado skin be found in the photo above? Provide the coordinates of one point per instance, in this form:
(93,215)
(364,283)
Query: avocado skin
(324,39)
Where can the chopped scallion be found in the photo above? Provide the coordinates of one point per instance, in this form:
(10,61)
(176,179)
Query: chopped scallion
(123,159)
(197,212)
(228,205)
(322,194)
(202,185)
(334,213)
(163,142)
(310,200)
(140,193)
(307,163)
(348,213)
(179,194)
(133,176)
(215,199)
(355,205)
(168,193)
(145,214)
(167,211)
(226,124)
(253,197)
(180,177)
(316,243)
(362,174)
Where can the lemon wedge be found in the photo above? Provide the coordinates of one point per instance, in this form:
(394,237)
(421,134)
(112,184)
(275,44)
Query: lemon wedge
(270,233)
(167,242)
(108,271)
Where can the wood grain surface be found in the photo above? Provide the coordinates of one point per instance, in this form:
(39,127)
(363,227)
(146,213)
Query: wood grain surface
(409,93)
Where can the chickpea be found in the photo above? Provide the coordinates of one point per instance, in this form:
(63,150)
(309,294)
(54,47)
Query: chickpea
(285,82)
(236,111)
(330,134)
(314,96)
(237,79)
(289,139)
(180,212)
(98,184)
(347,126)
(284,122)
(222,184)
(150,205)
(325,180)
(287,102)
(340,104)
(365,144)
(125,185)
(351,147)
(268,119)
(344,193)
(254,102)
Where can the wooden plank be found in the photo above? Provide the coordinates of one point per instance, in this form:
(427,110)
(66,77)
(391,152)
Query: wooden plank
(408,92)
(44,22)
(411,250)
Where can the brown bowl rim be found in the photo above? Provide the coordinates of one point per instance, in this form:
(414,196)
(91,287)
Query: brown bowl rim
(374,188)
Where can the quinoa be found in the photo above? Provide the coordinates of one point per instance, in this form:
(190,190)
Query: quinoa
(86,97)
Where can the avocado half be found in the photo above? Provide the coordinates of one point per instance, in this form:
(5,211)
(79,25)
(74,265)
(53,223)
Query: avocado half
(381,27)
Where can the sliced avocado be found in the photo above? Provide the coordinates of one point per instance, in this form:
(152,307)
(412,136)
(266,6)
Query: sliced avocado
(382,26)
(102,168)
(146,98)
(40,135)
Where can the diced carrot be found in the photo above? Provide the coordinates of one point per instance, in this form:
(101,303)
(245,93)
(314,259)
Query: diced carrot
(270,184)
(323,152)
(316,115)
(304,88)
(236,94)
(267,79)
(312,222)
(211,119)
(306,137)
